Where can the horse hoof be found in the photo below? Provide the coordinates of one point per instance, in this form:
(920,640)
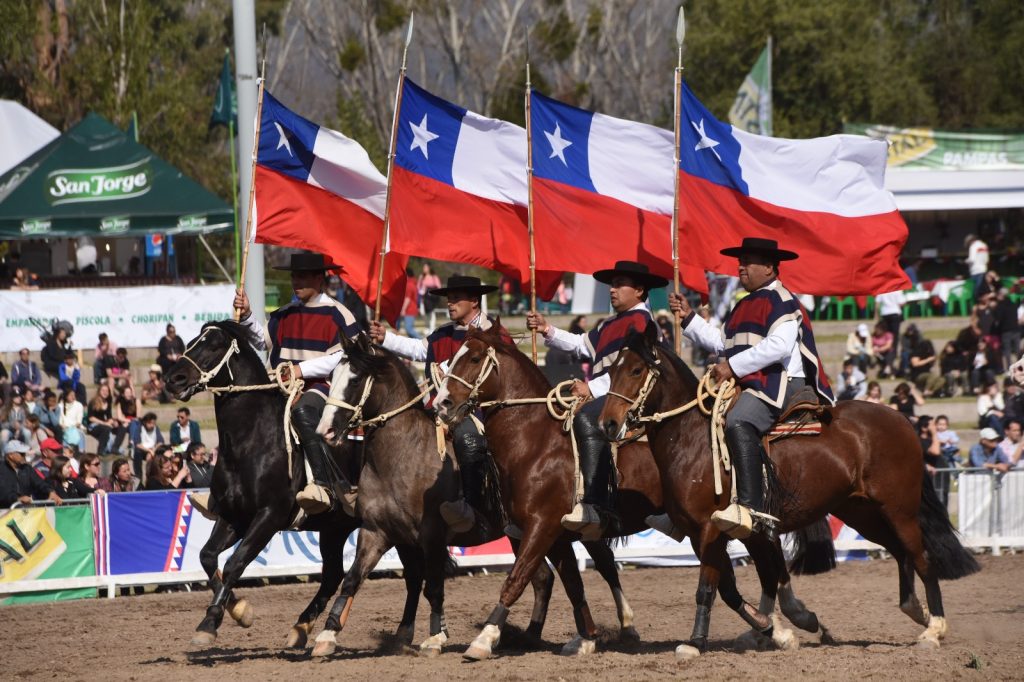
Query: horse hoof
(431,646)
(477,653)
(783,638)
(685,652)
(241,612)
(430,651)
(326,643)
(297,637)
(483,646)
(826,636)
(629,635)
(578,646)
(203,638)
(928,641)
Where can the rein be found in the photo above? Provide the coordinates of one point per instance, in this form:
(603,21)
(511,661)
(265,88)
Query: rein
(356,420)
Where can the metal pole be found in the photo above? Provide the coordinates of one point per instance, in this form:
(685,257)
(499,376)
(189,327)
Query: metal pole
(244,17)
(529,216)
(677,334)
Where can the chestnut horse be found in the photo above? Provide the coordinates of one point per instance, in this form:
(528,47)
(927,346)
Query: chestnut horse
(534,459)
(865,468)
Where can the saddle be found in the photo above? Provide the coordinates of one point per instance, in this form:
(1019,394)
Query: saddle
(804,416)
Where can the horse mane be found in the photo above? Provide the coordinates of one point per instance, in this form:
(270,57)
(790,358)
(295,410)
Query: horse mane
(376,362)
(638,342)
(247,340)
(498,338)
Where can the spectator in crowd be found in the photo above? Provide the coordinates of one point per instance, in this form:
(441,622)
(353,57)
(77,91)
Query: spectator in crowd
(127,406)
(160,474)
(949,441)
(883,348)
(23,280)
(200,471)
(145,436)
(18,484)
(409,306)
(72,417)
(49,450)
(184,430)
(13,419)
(49,415)
(104,361)
(1013,400)
(987,288)
(65,483)
(986,454)
(69,375)
(38,434)
(121,479)
(953,367)
(851,382)
(1013,443)
(1007,324)
(31,406)
(967,339)
(990,408)
(57,347)
(922,360)
(933,460)
(25,373)
(155,389)
(912,268)
(983,370)
(859,348)
(121,372)
(89,473)
(873,393)
(169,349)
(5,381)
(977,259)
(905,399)
(890,313)
(429,303)
(101,423)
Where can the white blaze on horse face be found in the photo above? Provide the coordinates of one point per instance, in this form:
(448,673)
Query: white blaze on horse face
(442,390)
(339,382)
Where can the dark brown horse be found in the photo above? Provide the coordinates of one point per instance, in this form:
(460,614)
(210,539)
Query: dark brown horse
(535,463)
(865,468)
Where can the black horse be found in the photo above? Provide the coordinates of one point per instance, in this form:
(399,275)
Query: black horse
(253,490)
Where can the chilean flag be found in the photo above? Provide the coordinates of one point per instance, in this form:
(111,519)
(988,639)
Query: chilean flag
(317,189)
(823,198)
(459,188)
(602,191)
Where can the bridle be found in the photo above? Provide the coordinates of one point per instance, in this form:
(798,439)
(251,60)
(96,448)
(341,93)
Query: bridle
(490,364)
(634,413)
(206,376)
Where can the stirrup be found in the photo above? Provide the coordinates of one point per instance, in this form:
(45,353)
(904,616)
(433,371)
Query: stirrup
(202,503)
(315,499)
(585,520)
(459,516)
(663,524)
(735,521)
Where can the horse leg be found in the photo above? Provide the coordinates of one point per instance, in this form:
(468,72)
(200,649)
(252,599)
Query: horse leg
(257,535)
(604,562)
(534,544)
(369,549)
(332,542)
(909,532)
(543,581)
(436,560)
(412,572)
(707,585)
(767,625)
(762,552)
(564,561)
(221,537)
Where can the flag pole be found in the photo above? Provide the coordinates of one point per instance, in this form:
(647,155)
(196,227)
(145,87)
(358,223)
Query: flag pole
(529,214)
(252,179)
(391,168)
(680,34)
(234,178)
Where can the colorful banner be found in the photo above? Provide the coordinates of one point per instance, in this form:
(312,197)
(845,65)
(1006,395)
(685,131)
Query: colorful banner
(41,543)
(932,149)
(135,316)
(752,110)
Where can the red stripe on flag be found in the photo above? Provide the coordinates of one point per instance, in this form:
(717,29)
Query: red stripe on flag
(838,255)
(302,216)
(580,231)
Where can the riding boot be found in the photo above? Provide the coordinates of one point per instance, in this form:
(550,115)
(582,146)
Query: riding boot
(329,483)
(747,455)
(589,517)
(471,452)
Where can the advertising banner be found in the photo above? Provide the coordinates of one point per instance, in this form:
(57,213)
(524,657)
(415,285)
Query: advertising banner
(135,316)
(932,149)
(41,543)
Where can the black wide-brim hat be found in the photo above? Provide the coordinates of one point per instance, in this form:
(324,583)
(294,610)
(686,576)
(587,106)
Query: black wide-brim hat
(470,285)
(765,247)
(307,261)
(638,272)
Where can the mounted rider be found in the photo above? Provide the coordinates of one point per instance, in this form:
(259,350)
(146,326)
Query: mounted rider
(307,332)
(437,350)
(630,284)
(768,347)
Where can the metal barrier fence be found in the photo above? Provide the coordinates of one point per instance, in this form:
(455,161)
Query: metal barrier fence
(989,510)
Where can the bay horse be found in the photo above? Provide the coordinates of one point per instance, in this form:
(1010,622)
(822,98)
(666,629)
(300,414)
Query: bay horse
(253,490)
(403,482)
(865,468)
(536,467)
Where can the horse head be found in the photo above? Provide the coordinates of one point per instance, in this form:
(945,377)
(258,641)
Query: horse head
(472,375)
(209,360)
(632,377)
(340,414)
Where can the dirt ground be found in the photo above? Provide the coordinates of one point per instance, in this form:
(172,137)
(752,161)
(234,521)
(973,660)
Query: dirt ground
(147,637)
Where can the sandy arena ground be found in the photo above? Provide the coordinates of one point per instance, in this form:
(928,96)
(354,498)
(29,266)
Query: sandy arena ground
(148,637)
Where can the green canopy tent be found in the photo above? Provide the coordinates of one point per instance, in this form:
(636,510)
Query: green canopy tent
(95,180)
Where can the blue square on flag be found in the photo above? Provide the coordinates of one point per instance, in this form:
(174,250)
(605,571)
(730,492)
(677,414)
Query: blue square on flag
(428,131)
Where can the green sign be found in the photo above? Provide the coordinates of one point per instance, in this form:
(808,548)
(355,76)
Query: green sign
(752,109)
(945,150)
(75,185)
(115,225)
(38,226)
(40,543)
(191,222)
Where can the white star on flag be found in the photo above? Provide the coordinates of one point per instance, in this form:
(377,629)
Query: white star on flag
(282,140)
(421,137)
(705,141)
(558,144)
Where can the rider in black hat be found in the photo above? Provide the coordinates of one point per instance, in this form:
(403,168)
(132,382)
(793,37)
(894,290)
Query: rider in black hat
(630,285)
(768,347)
(464,295)
(296,333)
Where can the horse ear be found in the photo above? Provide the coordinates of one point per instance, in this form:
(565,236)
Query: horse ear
(347,344)
(651,333)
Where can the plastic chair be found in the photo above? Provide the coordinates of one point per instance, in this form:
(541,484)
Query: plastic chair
(1016,287)
(840,306)
(869,308)
(961,299)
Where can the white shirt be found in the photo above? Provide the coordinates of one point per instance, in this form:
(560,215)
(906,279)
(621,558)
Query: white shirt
(416,349)
(779,346)
(317,367)
(891,303)
(977,257)
(147,438)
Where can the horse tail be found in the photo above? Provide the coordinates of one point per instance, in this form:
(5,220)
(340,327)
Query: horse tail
(494,507)
(813,549)
(948,559)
